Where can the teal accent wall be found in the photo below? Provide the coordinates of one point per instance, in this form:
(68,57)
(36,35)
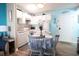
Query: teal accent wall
(53,23)
(3,16)
(53,26)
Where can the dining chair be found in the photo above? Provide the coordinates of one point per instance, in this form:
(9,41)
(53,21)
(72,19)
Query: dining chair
(35,45)
(55,43)
(47,47)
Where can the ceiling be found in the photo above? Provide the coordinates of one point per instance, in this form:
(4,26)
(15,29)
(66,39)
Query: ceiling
(48,6)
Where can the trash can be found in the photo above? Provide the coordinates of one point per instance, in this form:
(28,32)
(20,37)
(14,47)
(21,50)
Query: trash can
(78,46)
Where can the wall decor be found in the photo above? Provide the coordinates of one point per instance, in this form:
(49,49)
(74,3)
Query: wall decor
(54,20)
(78,19)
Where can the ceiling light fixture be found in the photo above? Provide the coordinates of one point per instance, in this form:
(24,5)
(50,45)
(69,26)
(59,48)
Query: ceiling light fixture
(34,7)
(40,5)
(31,7)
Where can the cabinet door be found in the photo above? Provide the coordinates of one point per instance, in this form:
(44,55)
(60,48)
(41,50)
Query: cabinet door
(20,39)
(66,23)
(23,37)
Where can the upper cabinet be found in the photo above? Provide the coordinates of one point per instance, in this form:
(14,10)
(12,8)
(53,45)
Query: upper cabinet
(22,17)
(19,16)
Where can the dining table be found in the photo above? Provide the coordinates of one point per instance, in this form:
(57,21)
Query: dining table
(41,42)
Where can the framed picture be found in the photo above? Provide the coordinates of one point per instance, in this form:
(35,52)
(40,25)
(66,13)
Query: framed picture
(54,20)
(78,19)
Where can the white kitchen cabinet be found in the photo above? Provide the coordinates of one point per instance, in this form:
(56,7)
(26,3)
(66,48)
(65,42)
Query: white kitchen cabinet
(23,37)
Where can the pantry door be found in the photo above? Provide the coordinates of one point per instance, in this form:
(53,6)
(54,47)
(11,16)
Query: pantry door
(65,26)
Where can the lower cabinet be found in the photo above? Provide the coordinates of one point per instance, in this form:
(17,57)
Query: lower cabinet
(22,37)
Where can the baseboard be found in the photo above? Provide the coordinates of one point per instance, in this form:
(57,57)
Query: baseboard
(65,42)
(70,43)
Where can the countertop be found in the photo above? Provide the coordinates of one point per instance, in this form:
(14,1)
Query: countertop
(37,34)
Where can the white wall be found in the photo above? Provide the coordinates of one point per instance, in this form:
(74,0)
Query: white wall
(69,22)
